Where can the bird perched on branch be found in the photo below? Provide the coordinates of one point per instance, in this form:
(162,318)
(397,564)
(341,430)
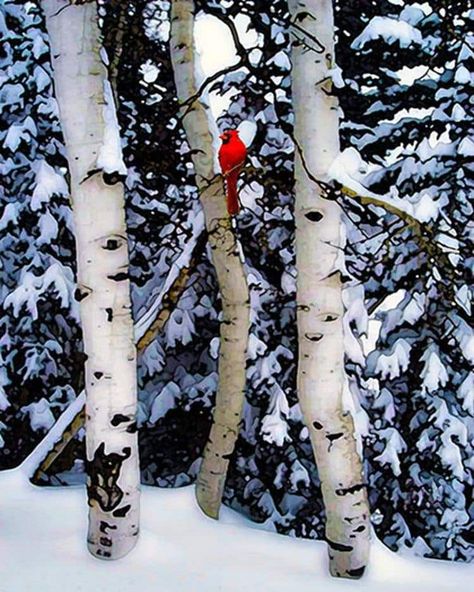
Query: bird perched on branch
(232,156)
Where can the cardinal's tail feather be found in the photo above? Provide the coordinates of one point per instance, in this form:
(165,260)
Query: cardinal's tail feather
(233,205)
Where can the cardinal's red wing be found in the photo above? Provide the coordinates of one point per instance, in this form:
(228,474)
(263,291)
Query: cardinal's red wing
(225,159)
(221,160)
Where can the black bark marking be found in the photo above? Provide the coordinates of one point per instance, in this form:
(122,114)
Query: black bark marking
(332,437)
(105,541)
(118,277)
(353,489)
(339,546)
(104,471)
(104,526)
(302,15)
(314,216)
(89,175)
(317,425)
(119,418)
(360,528)
(112,244)
(110,314)
(356,573)
(132,428)
(112,178)
(81,294)
(313,336)
(98,375)
(121,512)
(330,317)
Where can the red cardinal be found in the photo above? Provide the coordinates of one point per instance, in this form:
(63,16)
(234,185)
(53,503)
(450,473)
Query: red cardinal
(232,156)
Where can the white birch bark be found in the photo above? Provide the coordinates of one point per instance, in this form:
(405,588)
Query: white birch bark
(319,242)
(234,326)
(103,286)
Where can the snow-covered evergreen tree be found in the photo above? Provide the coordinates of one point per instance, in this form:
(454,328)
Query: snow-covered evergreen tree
(40,342)
(408,105)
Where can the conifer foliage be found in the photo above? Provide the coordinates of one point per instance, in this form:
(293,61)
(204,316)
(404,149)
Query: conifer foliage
(40,340)
(408,105)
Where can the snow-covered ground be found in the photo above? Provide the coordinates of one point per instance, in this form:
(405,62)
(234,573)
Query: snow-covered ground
(42,549)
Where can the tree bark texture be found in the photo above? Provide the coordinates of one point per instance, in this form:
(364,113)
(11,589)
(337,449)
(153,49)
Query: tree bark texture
(319,247)
(103,287)
(234,326)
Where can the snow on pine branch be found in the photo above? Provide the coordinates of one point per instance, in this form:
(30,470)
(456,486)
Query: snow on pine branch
(145,321)
(343,170)
(390,30)
(48,183)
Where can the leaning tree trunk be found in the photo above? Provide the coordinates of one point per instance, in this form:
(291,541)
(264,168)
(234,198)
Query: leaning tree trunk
(89,126)
(234,326)
(319,243)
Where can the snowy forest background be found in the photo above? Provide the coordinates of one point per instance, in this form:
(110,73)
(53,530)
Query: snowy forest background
(404,82)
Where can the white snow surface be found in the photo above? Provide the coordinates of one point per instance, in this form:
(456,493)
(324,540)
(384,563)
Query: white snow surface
(43,547)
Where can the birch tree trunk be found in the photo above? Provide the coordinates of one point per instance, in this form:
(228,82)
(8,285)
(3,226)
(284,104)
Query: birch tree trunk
(234,327)
(319,243)
(89,126)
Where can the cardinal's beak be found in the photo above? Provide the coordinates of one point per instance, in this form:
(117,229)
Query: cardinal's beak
(221,137)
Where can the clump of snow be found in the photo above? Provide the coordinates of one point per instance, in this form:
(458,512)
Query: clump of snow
(10,215)
(336,76)
(165,401)
(19,132)
(466,147)
(462,75)
(434,374)
(394,446)
(48,183)
(42,78)
(426,208)
(414,13)
(179,328)
(466,393)
(390,30)
(281,60)
(4,402)
(48,229)
(110,158)
(214,348)
(299,474)
(393,364)
(255,347)
(248,36)
(41,417)
(274,425)
(415,308)
(149,71)
(247,131)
